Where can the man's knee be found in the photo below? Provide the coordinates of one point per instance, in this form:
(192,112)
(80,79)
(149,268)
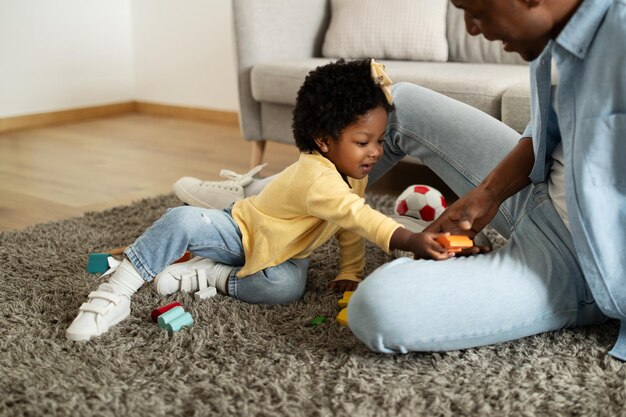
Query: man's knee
(372,311)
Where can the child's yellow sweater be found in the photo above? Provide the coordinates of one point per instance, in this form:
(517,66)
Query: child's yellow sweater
(301,209)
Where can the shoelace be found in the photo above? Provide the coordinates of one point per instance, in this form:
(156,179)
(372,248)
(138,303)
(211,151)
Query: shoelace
(242,179)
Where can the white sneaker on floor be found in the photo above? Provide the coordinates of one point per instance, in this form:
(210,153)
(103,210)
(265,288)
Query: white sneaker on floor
(215,194)
(185,276)
(103,310)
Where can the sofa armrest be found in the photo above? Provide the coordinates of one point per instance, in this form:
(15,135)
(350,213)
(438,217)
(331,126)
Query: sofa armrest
(267,30)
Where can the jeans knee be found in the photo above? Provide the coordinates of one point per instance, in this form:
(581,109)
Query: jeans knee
(284,289)
(270,286)
(183,219)
(367,312)
(373,312)
(404,89)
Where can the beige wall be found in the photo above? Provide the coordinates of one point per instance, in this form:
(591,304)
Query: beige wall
(184,53)
(65,54)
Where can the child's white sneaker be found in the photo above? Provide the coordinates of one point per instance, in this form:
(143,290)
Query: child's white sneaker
(193,275)
(215,194)
(105,308)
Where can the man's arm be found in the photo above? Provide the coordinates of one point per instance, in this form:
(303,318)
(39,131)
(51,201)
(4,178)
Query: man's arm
(472,212)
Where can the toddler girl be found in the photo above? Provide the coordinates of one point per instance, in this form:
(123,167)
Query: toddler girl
(257,250)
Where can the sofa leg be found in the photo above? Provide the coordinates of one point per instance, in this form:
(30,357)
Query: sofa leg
(258,149)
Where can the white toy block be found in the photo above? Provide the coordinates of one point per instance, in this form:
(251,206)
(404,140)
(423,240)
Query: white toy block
(205,293)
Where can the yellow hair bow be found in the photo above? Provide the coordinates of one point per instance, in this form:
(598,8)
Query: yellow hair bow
(381,79)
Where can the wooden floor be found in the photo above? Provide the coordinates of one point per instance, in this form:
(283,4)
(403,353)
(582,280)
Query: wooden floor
(58,172)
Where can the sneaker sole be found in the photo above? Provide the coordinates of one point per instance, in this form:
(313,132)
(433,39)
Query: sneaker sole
(86,338)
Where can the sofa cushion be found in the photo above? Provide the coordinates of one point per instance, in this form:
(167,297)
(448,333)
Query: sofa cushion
(394,29)
(479,85)
(279,81)
(516,106)
(464,47)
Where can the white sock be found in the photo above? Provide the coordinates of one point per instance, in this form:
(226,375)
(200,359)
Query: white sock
(257,185)
(217,275)
(126,280)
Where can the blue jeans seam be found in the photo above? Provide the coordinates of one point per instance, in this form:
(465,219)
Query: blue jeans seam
(192,249)
(138,263)
(536,200)
(232,286)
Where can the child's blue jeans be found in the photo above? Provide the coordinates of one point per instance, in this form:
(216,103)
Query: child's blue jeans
(534,284)
(215,235)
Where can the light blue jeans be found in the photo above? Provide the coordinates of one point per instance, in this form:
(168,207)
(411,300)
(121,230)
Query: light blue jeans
(215,235)
(533,284)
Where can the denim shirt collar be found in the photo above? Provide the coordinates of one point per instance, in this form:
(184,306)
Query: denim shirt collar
(579,32)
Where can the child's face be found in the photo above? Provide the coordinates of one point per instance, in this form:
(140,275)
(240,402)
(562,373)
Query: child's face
(360,145)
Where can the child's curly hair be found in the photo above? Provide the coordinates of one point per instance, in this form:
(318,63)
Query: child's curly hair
(332,97)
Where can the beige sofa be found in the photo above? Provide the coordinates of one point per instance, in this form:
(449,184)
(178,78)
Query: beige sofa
(279,41)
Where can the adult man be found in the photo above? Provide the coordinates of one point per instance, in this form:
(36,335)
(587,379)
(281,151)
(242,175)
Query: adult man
(558,192)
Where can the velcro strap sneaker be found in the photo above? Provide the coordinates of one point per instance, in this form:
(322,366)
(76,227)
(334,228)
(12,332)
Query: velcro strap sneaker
(103,310)
(185,276)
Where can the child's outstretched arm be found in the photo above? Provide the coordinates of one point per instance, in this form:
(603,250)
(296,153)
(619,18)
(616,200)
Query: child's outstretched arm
(423,245)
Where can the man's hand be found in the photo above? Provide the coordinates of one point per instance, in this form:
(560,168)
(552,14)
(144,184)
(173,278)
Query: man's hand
(476,209)
(468,215)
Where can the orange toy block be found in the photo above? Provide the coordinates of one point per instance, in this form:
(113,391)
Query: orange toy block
(455,243)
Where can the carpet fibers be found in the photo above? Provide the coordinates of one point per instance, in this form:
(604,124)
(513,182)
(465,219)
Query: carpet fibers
(251,360)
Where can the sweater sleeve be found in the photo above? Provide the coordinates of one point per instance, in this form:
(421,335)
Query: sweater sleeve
(351,256)
(331,199)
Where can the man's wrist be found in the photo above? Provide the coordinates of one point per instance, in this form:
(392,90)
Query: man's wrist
(511,175)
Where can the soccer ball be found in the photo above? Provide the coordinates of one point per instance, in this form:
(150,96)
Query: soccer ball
(420,201)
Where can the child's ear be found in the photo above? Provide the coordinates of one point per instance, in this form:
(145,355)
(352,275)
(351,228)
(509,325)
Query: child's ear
(322,144)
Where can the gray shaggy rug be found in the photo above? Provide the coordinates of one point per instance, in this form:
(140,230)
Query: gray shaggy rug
(249,360)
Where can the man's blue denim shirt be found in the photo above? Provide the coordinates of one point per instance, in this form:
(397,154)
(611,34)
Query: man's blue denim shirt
(590,120)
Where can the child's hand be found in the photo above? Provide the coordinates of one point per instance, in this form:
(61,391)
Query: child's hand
(343,286)
(425,245)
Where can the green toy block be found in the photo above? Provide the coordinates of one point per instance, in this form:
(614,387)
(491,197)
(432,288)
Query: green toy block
(318,320)
(175,319)
(179,322)
(98,263)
